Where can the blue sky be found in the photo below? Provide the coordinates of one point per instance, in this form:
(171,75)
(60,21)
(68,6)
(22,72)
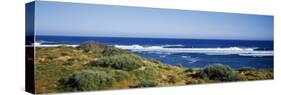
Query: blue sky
(73,19)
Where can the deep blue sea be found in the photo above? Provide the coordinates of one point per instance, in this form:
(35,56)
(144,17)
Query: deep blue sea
(187,52)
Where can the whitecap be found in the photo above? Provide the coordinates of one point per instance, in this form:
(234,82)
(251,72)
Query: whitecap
(209,51)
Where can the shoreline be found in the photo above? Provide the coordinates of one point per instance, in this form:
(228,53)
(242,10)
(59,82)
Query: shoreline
(208,51)
(76,46)
(122,69)
(135,52)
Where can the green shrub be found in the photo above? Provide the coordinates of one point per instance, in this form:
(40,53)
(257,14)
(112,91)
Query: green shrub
(146,83)
(103,49)
(92,46)
(109,51)
(172,79)
(218,72)
(86,80)
(121,75)
(155,61)
(124,62)
(148,73)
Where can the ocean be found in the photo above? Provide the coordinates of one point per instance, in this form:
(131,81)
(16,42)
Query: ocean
(186,52)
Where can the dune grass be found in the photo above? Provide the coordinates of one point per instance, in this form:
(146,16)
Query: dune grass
(94,66)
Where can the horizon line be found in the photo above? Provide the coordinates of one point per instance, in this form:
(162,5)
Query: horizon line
(155,37)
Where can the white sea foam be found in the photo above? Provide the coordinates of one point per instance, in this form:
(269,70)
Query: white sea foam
(193,60)
(173,45)
(208,51)
(190,59)
(162,56)
(44,42)
(185,56)
(57,45)
(39,44)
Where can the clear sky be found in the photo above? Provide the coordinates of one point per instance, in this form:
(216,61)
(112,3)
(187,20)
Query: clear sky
(72,19)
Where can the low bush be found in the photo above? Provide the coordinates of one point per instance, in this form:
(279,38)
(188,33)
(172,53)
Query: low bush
(147,73)
(86,80)
(172,79)
(92,46)
(110,51)
(105,50)
(218,72)
(121,75)
(146,83)
(154,61)
(123,62)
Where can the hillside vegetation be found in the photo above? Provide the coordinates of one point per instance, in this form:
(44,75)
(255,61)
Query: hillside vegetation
(95,66)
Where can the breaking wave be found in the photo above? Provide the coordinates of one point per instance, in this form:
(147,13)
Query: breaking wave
(208,51)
